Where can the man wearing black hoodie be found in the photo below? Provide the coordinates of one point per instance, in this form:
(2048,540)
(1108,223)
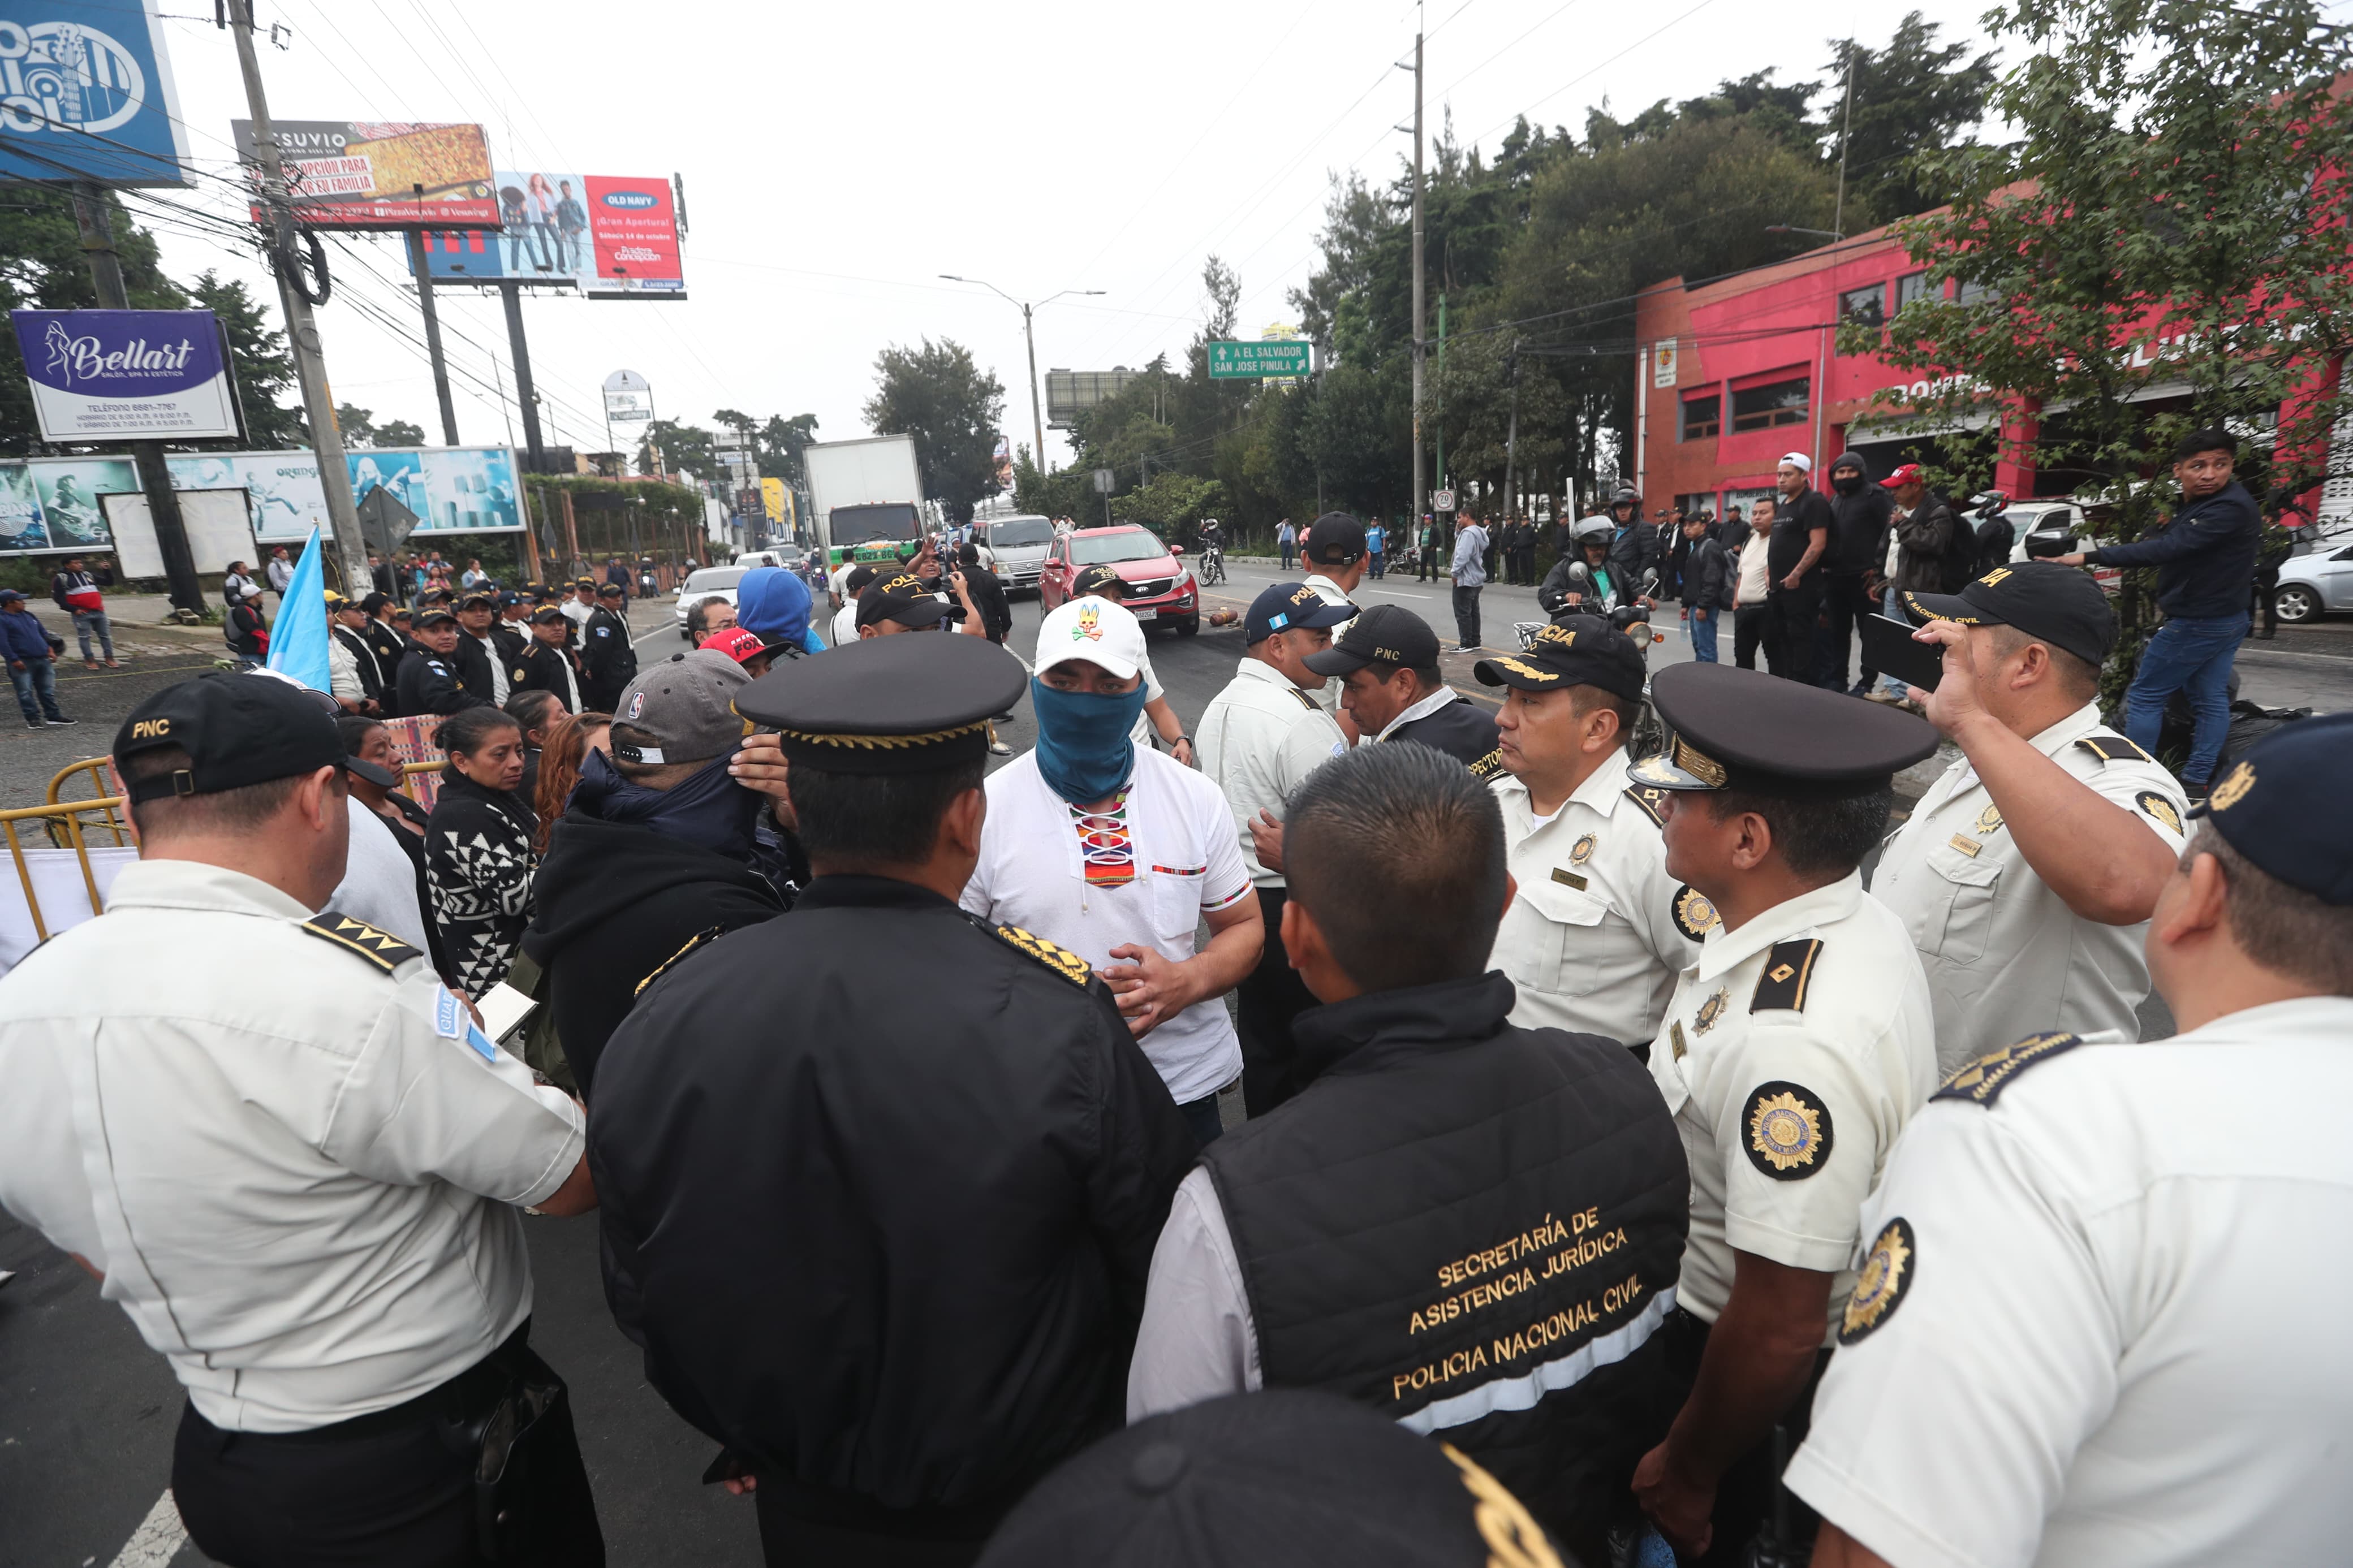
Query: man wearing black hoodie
(655,856)
(1852,567)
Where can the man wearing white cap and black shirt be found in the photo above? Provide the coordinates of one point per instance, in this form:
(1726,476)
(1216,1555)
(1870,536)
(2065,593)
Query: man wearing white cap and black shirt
(1259,738)
(2027,873)
(1793,554)
(306,1197)
(1597,932)
(1110,849)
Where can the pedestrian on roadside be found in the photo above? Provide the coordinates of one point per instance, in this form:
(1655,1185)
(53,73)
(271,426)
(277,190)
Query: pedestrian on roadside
(380,578)
(281,572)
(1710,590)
(234,583)
(1426,551)
(1374,539)
(2205,561)
(75,591)
(1753,581)
(32,653)
(1793,594)
(1286,540)
(306,1183)
(1935,552)
(479,860)
(1852,564)
(1104,847)
(855,580)
(1470,572)
(245,631)
(988,592)
(474,576)
(355,679)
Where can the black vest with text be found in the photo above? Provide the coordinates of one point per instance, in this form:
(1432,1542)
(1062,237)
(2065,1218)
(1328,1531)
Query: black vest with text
(1473,1228)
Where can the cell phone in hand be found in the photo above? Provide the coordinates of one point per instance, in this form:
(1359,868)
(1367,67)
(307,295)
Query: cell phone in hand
(1888,648)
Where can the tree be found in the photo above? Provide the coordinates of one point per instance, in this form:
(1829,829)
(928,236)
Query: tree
(358,425)
(685,448)
(399,433)
(42,268)
(2171,216)
(952,407)
(267,383)
(1911,98)
(781,443)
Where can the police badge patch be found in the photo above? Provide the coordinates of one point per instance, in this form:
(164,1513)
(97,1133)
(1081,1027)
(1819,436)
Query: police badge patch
(1789,1131)
(1878,1288)
(2158,807)
(1712,1009)
(1695,916)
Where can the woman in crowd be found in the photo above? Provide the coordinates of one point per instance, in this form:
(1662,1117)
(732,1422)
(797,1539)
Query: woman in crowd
(536,710)
(368,741)
(569,741)
(479,854)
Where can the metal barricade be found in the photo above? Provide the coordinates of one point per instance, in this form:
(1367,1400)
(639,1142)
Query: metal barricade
(60,821)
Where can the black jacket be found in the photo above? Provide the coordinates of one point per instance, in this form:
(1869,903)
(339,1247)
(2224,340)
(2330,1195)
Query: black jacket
(606,654)
(887,1241)
(362,652)
(539,667)
(1996,537)
(2204,555)
(1859,522)
(988,592)
(1453,1203)
(474,661)
(246,631)
(1708,576)
(616,902)
(1935,552)
(1463,729)
(478,864)
(427,683)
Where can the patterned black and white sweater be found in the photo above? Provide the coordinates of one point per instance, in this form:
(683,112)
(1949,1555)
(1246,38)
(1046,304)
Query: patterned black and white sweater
(478,865)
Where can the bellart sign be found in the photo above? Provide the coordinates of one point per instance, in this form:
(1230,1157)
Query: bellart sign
(117,375)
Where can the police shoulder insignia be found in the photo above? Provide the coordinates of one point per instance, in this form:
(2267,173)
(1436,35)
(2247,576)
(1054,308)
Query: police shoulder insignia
(2111,748)
(521,674)
(1788,968)
(700,939)
(1695,916)
(1304,700)
(1788,1133)
(2168,815)
(1488,766)
(1982,1081)
(381,948)
(1886,1274)
(1060,960)
(1650,800)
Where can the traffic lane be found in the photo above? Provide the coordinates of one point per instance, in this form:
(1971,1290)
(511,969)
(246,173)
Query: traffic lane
(97,700)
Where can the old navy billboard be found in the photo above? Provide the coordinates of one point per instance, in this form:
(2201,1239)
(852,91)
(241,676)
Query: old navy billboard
(115,375)
(604,235)
(86,94)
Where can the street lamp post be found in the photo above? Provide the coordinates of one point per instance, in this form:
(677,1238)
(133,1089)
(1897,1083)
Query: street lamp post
(1037,420)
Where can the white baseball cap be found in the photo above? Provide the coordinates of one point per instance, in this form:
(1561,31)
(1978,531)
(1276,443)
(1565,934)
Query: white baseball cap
(1095,630)
(1798,461)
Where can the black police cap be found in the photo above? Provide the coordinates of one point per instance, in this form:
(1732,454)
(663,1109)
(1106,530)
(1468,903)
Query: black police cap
(1289,1477)
(1098,578)
(2282,807)
(1387,634)
(1574,650)
(1744,730)
(237,729)
(887,705)
(1335,539)
(1287,606)
(2051,603)
(903,597)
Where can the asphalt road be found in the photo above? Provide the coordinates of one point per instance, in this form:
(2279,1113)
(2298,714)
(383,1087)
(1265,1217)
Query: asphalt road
(87,1411)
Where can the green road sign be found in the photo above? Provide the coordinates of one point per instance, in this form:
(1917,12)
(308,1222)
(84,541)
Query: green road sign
(1279,357)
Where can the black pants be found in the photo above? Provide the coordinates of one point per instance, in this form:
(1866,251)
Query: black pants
(1426,565)
(1266,1001)
(1789,617)
(389,1490)
(1466,615)
(1847,603)
(1747,631)
(1750,1487)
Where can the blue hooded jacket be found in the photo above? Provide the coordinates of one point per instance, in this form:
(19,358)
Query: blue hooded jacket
(774,605)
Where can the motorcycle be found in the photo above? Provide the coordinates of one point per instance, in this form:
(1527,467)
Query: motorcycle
(1213,562)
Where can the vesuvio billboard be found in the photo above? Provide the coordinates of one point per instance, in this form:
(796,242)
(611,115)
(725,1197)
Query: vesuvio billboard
(86,94)
(602,233)
(396,175)
(109,375)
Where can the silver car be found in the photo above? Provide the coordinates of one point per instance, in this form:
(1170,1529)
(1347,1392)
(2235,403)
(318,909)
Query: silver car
(1015,547)
(2315,584)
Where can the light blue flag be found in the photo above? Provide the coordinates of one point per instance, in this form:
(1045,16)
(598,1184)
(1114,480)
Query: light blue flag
(298,638)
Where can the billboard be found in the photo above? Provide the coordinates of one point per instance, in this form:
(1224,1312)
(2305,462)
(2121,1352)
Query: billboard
(395,174)
(112,375)
(464,489)
(603,235)
(629,398)
(51,504)
(86,94)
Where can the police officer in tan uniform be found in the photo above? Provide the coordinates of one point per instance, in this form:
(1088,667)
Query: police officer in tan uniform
(1795,1048)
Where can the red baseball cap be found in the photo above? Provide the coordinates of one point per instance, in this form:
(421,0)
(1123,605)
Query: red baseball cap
(1906,475)
(738,643)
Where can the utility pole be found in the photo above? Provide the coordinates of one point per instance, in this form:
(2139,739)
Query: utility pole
(1418,490)
(1846,122)
(97,227)
(511,291)
(1037,421)
(417,264)
(303,327)
(1512,437)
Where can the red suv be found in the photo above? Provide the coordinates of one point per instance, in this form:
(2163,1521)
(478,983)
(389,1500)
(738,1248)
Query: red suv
(1160,587)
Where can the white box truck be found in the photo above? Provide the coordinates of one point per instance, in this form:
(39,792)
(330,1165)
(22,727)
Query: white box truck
(867,498)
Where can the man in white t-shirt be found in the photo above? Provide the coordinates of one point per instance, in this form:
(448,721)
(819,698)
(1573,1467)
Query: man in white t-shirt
(1117,853)
(1104,582)
(1748,596)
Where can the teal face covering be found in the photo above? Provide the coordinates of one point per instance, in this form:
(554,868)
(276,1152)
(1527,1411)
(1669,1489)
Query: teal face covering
(1084,751)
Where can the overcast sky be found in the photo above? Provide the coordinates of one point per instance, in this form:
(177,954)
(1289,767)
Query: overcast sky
(838,159)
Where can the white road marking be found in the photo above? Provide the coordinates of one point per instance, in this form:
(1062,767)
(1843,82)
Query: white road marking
(158,1538)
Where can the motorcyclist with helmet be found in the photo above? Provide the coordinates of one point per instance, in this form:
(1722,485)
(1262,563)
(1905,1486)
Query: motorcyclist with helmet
(1595,581)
